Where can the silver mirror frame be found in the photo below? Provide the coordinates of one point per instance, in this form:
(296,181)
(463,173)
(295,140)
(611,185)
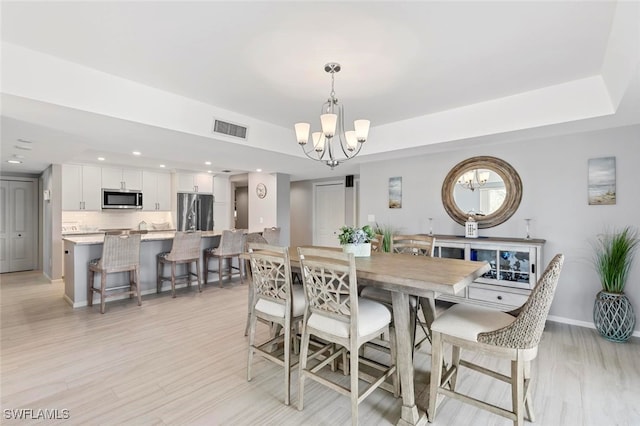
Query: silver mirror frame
(512,183)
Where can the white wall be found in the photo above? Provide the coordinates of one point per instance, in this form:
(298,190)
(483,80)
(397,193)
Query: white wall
(554,177)
(263,212)
(51,246)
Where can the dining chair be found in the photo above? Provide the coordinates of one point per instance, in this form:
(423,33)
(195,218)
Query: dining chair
(335,314)
(514,336)
(185,250)
(274,301)
(417,245)
(230,247)
(376,243)
(272,235)
(120,253)
(252,237)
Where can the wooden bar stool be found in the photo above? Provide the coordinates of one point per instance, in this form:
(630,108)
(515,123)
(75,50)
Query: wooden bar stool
(185,250)
(230,247)
(120,253)
(272,235)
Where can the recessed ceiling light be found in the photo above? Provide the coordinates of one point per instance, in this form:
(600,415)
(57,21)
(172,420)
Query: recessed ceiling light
(162,166)
(18,156)
(24,141)
(209,171)
(14,161)
(100,158)
(23,147)
(136,153)
(208,163)
(258,170)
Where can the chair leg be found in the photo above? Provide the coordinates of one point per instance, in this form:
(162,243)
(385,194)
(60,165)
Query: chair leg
(528,403)
(159,276)
(131,283)
(103,291)
(252,335)
(173,279)
(249,305)
(455,363)
(205,271)
(304,353)
(241,272)
(220,271)
(393,350)
(90,288)
(198,275)
(354,384)
(287,360)
(137,273)
(517,390)
(436,374)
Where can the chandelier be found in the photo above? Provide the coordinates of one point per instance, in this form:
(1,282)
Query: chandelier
(325,143)
(473,179)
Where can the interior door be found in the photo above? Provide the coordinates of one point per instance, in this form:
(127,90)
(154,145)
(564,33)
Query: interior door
(18,227)
(328,214)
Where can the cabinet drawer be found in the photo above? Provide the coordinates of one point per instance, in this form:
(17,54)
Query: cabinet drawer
(497,296)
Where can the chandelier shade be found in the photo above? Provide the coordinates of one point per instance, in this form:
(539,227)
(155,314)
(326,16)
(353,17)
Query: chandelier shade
(474,179)
(333,137)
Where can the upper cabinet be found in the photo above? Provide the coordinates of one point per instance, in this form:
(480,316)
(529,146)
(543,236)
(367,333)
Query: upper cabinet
(81,187)
(195,182)
(116,178)
(156,190)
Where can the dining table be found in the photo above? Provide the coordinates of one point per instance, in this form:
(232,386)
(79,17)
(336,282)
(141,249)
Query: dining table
(406,275)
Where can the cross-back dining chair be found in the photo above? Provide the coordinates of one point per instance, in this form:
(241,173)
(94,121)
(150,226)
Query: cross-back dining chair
(513,336)
(274,301)
(335,314)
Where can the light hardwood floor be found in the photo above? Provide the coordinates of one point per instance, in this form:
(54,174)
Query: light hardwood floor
(183,361)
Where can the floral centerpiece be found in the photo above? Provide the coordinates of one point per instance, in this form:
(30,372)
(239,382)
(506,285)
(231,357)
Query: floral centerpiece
(356,240)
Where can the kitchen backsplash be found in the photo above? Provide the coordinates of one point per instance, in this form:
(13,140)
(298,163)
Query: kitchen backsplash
(94,221)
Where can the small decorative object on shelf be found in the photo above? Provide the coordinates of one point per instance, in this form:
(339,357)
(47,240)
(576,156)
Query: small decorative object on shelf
(528,222)
(471,228)
(356,240)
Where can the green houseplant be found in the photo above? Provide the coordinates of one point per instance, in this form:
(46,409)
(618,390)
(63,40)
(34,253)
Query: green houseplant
(356,240)
(613,313)
(387,235)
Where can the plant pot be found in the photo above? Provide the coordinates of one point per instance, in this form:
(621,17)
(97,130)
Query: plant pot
(613,316)
(358,250)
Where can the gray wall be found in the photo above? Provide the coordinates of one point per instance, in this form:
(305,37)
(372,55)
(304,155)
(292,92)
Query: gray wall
(554,177)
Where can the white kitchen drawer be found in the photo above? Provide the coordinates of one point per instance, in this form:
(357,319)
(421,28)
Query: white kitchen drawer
(497,296)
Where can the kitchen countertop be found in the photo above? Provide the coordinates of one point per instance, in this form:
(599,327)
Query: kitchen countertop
(150,236)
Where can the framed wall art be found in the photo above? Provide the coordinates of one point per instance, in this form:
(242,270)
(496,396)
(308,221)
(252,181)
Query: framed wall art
(602,181)
(395,192)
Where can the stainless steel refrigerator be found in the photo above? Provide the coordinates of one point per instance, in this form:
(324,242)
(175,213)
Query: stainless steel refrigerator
(195,212)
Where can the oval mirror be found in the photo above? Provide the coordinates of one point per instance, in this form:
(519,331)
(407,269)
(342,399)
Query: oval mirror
(485,188)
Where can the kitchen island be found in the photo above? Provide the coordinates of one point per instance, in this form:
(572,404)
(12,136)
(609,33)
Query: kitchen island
(79,250)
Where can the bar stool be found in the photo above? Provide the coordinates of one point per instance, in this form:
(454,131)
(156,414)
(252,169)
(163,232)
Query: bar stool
(230,247)
(185,249)
(120,253)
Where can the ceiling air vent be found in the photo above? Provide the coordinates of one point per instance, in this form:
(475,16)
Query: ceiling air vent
(229,129)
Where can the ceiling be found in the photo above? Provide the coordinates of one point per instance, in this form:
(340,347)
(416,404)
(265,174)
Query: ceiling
(263,61)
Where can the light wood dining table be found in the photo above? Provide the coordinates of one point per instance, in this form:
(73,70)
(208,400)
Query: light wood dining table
(406,275)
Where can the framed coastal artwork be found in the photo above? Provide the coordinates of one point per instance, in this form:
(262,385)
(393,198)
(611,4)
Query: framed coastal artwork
(602,181)
(395,192)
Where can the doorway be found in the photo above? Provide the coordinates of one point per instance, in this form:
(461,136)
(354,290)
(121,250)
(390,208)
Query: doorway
(329,213)
(18,225)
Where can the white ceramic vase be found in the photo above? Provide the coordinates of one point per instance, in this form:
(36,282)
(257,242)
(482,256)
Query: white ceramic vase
(358,250)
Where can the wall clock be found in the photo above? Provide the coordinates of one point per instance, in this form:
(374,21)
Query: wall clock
(261,190)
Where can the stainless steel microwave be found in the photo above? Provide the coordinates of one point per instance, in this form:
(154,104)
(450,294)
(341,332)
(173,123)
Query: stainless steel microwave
(121,199)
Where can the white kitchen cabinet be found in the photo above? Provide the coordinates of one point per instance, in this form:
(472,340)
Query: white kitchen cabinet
(515,268)
(117,178)
(195,182)
(81,187)
(156,191)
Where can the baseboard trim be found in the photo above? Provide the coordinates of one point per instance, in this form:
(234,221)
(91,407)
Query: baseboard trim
(585,324)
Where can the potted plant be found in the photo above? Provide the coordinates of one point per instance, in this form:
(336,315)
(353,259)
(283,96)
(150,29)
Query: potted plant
(613,314)
(387,235)
(356,240)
